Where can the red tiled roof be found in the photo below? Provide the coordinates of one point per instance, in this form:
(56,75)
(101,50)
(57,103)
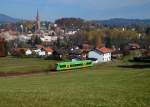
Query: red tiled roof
(134,45)
(48,49)
(104,50)
(40,46)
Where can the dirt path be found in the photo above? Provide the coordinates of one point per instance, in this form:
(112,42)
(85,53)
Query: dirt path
(9,74)
(14,74)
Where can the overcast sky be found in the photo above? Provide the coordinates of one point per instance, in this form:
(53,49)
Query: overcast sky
(87,9)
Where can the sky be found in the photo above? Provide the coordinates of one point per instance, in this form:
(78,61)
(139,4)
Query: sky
(51,10)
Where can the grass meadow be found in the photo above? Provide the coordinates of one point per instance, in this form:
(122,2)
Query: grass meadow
(106,85)
(12,64)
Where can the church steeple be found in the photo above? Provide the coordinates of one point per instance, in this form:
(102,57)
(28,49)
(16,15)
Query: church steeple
(38,21)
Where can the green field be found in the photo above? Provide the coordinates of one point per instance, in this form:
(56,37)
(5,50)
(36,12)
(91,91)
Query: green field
(104,85)
(10,64)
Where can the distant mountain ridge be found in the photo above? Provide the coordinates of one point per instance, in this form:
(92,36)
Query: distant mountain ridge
(110,22)
(123,21)
(7,19)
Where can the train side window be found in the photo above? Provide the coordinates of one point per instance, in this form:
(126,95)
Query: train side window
(72,65)
(79,64)
(68,66)
(88,63)
(62,66)
(75,65)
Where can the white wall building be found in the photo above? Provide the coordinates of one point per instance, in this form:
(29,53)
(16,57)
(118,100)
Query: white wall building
(24,38)
(42,53)
(28,52)
(102,55)
(48,38)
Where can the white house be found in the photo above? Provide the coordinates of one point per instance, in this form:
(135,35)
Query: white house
(37,50)
(24,38)
(42,53)
(101,54)
(28,52)
(71,32)
(48,38)
(40,50)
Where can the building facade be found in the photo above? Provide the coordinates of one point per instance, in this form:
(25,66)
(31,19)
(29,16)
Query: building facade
(101,55)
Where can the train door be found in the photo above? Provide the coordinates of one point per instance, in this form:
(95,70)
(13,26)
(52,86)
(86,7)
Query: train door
(84,64)
(68,66)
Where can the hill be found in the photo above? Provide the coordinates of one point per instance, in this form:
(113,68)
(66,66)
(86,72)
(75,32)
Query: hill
(7,19)
(123,22)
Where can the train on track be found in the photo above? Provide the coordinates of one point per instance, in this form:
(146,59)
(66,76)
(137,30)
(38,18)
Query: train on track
(73,65)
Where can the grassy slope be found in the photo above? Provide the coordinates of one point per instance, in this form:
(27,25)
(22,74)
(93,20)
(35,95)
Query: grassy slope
(100,86)
(10,64)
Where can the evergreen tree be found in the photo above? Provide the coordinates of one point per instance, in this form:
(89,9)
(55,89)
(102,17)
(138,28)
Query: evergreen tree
(37,40)
(108,42)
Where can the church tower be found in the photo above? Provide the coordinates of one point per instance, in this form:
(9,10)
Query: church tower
(38,25)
